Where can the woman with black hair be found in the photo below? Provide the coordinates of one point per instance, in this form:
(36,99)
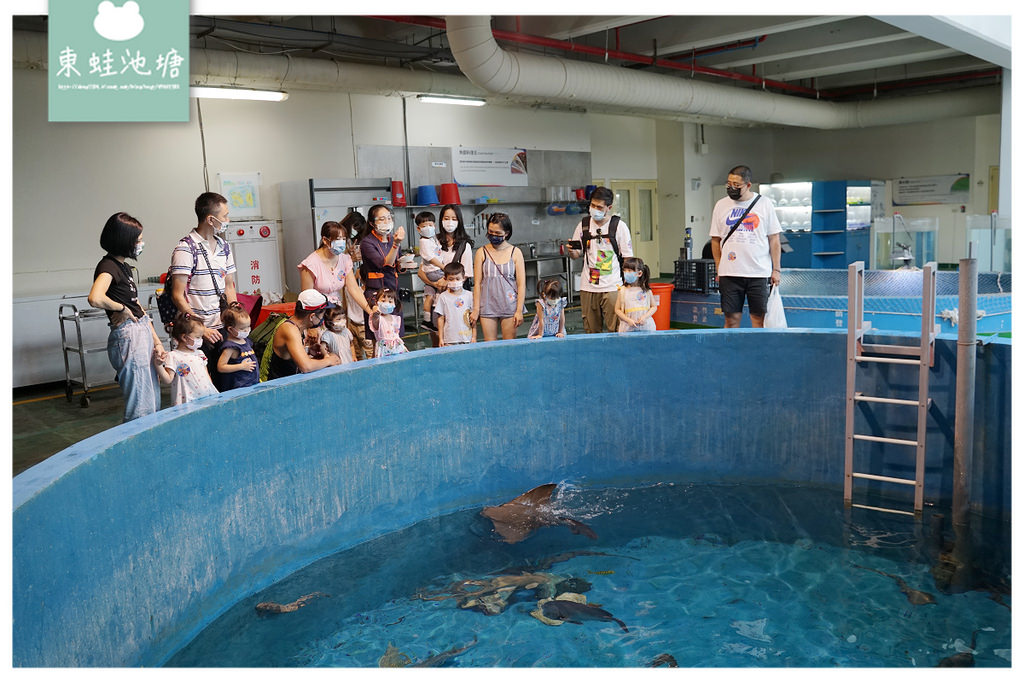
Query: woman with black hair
(499,294)
(133,342)
(455,246)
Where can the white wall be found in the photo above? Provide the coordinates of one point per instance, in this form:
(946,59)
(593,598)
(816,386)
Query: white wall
(623,147)
(728,147)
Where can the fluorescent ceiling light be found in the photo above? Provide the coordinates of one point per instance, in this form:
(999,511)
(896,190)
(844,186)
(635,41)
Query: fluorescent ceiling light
(237,94)
(443,99)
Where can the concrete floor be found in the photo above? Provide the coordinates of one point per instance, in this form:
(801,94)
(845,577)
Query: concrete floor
(44,422)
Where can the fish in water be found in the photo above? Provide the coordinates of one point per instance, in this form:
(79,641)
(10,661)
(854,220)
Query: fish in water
(524,514)
(491,595)
(277,608)
(915,597)
(393,658)
(961,659)
(577,613)
(666,660)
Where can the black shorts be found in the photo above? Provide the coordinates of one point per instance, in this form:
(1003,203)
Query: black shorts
(735,289)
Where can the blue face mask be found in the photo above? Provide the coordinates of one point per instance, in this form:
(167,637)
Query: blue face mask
(496,240)
(629,276)
(386,307)
(337,246)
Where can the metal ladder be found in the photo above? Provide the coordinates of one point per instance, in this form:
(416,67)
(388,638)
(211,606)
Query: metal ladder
(922,356)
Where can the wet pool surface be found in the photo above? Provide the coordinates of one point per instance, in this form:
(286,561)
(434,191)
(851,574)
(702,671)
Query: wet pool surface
(698,575)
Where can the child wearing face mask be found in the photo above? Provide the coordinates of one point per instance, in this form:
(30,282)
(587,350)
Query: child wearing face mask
(184,368)
(550,319)
(453,308)
(237,366)
(431,270)
(336,336)
(635,305)
(386,325)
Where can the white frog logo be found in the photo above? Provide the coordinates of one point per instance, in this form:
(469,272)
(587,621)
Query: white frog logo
(118,23)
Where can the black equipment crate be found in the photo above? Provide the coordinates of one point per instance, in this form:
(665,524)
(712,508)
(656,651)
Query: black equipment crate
(696,275)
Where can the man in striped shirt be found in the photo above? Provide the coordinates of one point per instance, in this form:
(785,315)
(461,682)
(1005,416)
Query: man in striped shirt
(202,269)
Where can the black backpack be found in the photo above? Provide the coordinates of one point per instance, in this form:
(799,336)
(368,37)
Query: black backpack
(612,227)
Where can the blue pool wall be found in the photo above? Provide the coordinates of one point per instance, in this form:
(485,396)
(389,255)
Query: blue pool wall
(126,545)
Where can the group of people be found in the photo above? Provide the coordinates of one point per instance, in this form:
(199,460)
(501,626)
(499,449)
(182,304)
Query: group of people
(349,308)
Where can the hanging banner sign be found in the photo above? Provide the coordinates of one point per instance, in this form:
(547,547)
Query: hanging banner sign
(489,166)
(938,189)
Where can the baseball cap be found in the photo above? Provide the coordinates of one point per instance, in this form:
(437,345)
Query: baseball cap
(312,300)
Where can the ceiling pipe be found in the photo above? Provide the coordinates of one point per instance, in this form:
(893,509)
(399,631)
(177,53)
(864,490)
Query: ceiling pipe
(555,79)
(674,63)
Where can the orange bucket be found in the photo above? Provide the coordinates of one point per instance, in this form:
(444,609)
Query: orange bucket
(663,316)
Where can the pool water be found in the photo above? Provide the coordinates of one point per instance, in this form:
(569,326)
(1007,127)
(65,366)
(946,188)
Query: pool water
(710,575)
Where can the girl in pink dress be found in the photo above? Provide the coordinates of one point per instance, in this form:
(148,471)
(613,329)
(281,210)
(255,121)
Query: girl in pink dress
(386,325)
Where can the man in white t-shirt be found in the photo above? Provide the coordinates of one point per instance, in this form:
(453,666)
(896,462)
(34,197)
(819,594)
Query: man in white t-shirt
(746,258)
(604,241)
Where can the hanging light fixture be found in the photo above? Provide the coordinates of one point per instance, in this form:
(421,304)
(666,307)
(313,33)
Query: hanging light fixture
(209,92)
(445,99)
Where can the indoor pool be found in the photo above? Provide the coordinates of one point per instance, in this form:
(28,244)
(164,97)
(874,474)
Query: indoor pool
(679,574)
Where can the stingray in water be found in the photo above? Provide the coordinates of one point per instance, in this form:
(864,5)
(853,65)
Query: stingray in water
(524,514)
(915,597)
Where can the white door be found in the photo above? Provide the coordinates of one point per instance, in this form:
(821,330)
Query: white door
(636,202)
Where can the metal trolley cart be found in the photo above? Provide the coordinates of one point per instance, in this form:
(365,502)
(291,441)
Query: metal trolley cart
(70,313)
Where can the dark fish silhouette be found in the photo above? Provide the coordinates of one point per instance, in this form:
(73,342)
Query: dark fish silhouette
(439,659)
(524,514)
(577,613)
(915,597)
(664,659)
(278,608)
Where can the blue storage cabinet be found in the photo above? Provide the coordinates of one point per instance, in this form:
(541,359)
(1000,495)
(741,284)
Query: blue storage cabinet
(828,224)
(800,257)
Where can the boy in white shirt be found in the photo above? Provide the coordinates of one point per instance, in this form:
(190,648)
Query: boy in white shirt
(429,249)
(453,308)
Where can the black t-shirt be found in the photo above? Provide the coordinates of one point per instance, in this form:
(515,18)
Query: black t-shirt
(122,288)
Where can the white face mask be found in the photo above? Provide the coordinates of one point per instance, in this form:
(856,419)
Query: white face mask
(449,226)
(455,285)
(598,215)
(427,231)
(223,226)
(242,333)
(196,344)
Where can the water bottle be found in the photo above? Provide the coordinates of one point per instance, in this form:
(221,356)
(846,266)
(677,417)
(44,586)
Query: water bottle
(688,245)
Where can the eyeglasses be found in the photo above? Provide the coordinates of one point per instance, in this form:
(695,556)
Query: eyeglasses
(736,186)
(388,218)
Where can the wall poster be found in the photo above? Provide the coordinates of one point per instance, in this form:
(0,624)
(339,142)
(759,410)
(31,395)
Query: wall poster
(490,166)
(938,189)
(242,190)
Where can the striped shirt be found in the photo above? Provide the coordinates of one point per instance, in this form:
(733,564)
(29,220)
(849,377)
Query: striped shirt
(201,292)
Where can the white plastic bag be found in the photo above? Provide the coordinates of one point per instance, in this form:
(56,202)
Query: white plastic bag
(775,316)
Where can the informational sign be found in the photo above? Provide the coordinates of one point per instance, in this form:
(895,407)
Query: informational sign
(490,166)
(118,62)
(242,190)
(938,189)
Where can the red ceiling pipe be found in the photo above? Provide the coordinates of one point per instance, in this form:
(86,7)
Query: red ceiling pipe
(901,85)
(541,41)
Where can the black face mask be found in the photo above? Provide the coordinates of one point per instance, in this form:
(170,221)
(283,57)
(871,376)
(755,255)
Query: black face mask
(734,193)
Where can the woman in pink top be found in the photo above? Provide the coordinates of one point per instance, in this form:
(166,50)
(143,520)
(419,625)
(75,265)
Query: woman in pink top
(329,269)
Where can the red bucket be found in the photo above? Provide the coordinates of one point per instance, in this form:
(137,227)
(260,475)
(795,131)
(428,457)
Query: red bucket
(450,194)
(397,193)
